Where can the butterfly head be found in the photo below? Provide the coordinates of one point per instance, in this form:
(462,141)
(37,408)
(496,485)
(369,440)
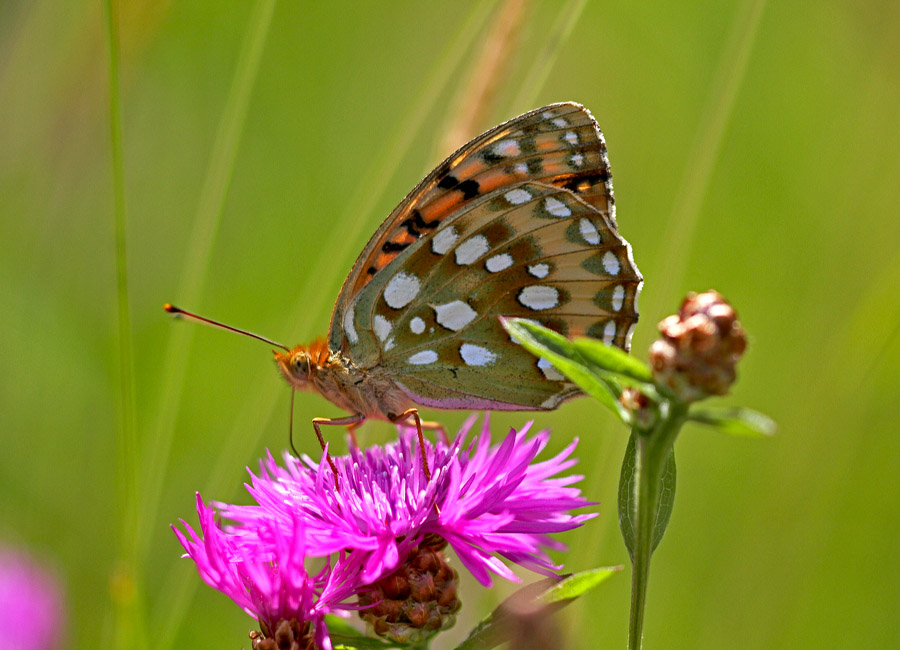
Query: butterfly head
(301,364)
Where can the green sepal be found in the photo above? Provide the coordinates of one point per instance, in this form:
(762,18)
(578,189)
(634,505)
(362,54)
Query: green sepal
(550,593)
(627,487)
(736,421)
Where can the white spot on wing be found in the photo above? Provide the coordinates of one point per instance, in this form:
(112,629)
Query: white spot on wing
(349,326)
(539,297)
(401,289)
(609,332)
(518,196)
(454,315)
(556,207)
(507,148)
(499,262)
(571,137)
(611,263)
(628,336)
(417,325)
(475,355)
(560,123)
(521,169)
(539,270)
(549,371)
(423,358)
(618,297)
(471,249)
(382,327)
(546,115)
(443,240)
(576,160)
(589,232)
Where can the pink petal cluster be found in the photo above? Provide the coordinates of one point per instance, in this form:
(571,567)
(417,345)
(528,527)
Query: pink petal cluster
(32,614)
(265,573)
(486,501)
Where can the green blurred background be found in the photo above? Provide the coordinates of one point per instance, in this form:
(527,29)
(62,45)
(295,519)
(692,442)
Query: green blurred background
(755,149)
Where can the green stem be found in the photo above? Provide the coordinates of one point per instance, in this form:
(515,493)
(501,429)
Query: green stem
(652,451)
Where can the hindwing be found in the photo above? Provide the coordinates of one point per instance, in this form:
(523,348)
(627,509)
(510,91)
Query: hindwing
(532,250)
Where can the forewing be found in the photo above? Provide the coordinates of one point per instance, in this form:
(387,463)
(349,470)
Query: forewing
(559,144)
(530,250)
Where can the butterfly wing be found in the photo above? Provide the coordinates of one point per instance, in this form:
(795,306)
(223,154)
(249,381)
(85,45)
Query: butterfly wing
(430,317)
(559,144)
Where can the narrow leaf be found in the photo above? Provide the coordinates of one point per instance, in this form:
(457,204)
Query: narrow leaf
(558,350)
(550,595)
(627,511)
(666,500)
(577,584)
(627,498)
(612,359)
(609,363)
(737,421)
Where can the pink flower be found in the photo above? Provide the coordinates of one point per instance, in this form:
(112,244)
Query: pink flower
(485,501)
(265,573)
(32,616)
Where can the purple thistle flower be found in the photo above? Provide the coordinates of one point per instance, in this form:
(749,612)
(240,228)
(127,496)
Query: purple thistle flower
(265,574)
(484,501)
(32,616)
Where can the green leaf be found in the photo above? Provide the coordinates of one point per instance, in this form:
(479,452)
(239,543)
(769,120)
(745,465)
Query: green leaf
(737,421)
(558,350)
(627,499)
(577,584)
(550,595)
(666,500)
(612,359)
(346,637)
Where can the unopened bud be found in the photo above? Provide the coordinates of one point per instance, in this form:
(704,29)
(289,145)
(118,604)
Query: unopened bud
(699,348)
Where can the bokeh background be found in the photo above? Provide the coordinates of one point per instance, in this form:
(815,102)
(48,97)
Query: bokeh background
(755,150)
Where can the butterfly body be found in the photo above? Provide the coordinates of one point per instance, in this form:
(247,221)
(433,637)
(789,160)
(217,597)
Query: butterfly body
(368,392)
(519,222)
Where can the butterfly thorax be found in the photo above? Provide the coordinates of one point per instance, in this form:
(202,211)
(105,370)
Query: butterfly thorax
(369,392)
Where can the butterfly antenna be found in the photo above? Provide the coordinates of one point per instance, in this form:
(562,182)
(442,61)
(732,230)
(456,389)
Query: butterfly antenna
(291,427)
(180,313)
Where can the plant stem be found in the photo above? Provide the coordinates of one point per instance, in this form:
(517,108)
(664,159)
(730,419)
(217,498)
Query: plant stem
(652,450)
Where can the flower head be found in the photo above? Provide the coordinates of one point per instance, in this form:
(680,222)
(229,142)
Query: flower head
(699,348)
(31,604)
(264,572)
(485,501)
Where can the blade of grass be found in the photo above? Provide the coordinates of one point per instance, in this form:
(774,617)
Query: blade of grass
(476,96)
(700,163)
(128,631)
(540,70)
(206,226)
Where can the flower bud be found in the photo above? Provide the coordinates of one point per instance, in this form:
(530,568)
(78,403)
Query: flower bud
(417,600)
(699,348)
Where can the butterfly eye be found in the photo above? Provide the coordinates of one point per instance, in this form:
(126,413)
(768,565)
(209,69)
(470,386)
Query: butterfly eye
(300,364)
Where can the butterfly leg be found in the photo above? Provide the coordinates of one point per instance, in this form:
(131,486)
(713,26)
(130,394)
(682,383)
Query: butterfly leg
(351,421)
(414,414)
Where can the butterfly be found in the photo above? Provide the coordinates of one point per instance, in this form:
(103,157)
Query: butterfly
(519,222)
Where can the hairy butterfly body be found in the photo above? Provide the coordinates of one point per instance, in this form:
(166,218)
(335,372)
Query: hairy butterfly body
(519,222)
